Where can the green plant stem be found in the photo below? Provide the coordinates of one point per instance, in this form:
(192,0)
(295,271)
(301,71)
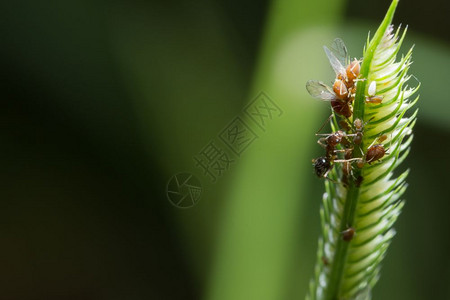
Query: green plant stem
(340,256)
(359,103)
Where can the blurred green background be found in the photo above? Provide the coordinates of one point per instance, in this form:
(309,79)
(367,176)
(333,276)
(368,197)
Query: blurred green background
(104,101)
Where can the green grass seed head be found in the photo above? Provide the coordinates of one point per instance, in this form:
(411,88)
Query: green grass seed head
(363,196)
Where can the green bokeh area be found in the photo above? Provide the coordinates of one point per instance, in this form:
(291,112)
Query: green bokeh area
(104,101)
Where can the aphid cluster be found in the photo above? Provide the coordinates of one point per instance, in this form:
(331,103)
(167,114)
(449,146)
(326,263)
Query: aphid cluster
(343,92)
(340,145)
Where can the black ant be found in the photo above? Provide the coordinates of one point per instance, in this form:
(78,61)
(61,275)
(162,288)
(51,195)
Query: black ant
(323,165)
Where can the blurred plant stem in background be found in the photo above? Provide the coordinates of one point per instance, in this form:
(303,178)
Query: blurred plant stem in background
(184,79)
(260,224)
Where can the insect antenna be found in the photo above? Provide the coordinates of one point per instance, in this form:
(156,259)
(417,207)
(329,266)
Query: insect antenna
(324,123)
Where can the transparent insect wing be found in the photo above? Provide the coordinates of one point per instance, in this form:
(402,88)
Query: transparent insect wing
(320,90)
(339,50)
(334,61)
